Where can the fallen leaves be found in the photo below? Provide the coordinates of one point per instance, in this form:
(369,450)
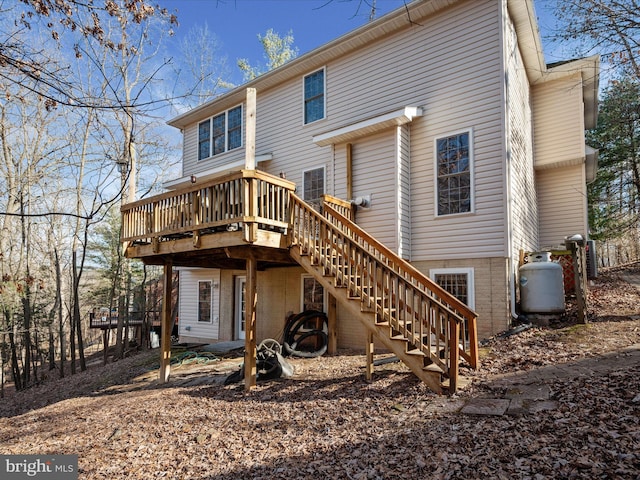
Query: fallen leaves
(327,422)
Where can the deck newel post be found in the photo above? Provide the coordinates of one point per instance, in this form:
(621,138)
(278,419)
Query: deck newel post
(369,349)
(250,130)
(250,326)
(472,328)
(250,184)
(332,326)
(349,172)
(165,344)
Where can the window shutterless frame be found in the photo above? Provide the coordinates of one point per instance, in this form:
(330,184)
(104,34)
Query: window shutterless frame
(459,282)
(314,98)
(313,184)
(313,296)
(454,174)
(220,133)
(205,301)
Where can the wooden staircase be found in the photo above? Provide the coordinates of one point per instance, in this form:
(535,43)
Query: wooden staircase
(425,326)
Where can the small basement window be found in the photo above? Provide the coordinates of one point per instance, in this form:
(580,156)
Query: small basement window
(456,281)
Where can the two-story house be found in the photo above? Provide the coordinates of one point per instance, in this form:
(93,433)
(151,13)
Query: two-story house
(440,121)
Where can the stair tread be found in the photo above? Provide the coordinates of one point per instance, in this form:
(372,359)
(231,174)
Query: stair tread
(399,337)
(432,367)
(416,352)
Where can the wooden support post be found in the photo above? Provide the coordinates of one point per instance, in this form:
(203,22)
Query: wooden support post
(579,276)
(332,326)
(369,350)
(250,130)
(251,299)
(349,172)
(165,341)
(454,353)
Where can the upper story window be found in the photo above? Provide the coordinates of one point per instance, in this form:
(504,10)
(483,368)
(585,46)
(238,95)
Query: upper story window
(314,89)
(220,133)
(453,171)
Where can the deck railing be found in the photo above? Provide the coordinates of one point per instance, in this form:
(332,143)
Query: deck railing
(432,320)
(249,199)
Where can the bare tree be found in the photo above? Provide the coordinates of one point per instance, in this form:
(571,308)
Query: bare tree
(68,22)
(609,27)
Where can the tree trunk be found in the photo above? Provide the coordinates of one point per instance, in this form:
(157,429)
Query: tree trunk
(77,320)
(72,345)
(58,307)
(15,366)
(52,349)
(26,338)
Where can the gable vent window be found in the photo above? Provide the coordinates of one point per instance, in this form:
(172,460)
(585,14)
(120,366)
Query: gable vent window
(314,91)
(454,178)
(220,133)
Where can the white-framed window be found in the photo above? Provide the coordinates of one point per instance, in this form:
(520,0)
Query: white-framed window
(454,173)
(313,296)
(205,297)
(457,281)
(313,182)
(314,96)
(220,133)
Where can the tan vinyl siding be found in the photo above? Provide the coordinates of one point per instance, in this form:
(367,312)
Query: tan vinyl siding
(339,171)
(188,303)
(563,204)
(465,94)
(374,166)
(524,207)
(446,64)
(558,121)
(190,162)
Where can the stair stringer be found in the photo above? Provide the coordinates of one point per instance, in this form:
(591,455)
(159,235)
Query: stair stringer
(414,360)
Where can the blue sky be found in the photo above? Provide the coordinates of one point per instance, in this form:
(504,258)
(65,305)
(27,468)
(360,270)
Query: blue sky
(236,23)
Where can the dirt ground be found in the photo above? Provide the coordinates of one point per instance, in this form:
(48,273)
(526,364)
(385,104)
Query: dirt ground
(328,422)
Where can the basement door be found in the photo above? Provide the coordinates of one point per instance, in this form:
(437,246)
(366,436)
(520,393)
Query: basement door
(240,307)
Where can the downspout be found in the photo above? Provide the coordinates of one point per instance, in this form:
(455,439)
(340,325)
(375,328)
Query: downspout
(507,136)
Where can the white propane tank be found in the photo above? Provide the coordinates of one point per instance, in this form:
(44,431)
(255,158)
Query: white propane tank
(541,285)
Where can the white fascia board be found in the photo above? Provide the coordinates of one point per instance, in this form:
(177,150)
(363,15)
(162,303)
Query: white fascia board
(367,127)
(591,164)
(212,172)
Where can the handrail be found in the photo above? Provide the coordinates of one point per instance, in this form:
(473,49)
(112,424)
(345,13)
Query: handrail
(468,317)
(396,298)
(249,198)
(344,207)
(399,264)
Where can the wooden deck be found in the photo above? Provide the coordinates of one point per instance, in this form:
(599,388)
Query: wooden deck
(215,224)
(251,220)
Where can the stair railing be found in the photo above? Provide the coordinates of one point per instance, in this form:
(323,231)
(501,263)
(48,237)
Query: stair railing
(468,318)
(426,317)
